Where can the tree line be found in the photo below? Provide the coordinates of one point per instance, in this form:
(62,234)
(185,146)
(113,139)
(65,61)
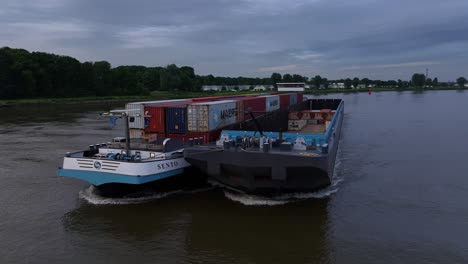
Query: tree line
(26,74)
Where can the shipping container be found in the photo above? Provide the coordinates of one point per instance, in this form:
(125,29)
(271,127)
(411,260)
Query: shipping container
(155,117)
(207,137)
(240,109)
(137,111)
(218,98)
(300,97)
(285,100)
(255,104)
(136,133)
(208,116)
(293,98)
(272,102)
(176,120)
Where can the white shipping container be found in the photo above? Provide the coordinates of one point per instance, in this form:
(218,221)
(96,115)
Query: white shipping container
(209,116)
(137,110)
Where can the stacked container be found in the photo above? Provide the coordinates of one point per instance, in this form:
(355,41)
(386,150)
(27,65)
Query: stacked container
(137,110)
(176,120)
(207,137)
(293,98)
(156,116)
(255,104)
(272,103)
(209,116)
(300,97)
(285,101)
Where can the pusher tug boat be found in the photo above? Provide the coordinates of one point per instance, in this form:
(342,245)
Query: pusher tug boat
(116,167)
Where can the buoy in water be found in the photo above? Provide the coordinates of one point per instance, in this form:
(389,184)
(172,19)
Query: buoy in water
(370,92)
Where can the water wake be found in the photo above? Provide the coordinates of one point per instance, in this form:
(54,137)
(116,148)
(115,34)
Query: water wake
(91,196)
(255,200)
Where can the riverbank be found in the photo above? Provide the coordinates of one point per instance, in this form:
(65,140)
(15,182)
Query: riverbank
(365,90)
(104,99)
(161,95)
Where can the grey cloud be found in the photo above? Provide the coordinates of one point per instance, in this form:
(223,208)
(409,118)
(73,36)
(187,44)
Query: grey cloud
(333,38)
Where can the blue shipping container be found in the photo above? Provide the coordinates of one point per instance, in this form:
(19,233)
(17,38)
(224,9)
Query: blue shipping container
(293,98)
(272,103)
(176,120)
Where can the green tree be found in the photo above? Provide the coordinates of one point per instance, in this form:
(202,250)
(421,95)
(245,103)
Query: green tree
(317,81)
(435,82)
(325,82)
(287,78)
(356,82)
(418,79)
(366,82)
(429,82)
(275,78)
(102,78)
(348,82)
(461,81)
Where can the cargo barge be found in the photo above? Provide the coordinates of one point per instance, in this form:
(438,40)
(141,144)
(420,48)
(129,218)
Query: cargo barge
(152,151)
(289,150)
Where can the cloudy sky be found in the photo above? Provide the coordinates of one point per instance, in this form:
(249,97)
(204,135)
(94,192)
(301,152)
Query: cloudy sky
(378,39)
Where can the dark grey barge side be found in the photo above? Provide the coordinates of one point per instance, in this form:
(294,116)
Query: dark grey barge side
(238,160)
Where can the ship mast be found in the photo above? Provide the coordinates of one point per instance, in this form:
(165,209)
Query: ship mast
(127,134)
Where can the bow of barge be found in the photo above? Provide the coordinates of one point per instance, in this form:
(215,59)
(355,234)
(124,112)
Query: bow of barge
(281,152)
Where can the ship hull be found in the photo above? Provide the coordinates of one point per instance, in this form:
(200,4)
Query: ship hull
(189,179)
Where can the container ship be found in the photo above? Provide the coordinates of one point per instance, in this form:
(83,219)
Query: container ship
(150,154)
(290,149)
(183,141)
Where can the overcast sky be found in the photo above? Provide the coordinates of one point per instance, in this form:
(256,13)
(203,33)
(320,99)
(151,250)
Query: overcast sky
(377,39)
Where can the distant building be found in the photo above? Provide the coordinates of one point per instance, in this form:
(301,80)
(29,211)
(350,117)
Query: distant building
(336,86)
(290,87)
(259,88)
(466,85)
(361,86)
(206,88)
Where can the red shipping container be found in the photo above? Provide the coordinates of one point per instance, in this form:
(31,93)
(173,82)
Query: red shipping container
(208,137)
(240,108)
(255,104)
(284,101)
(218,98)
(208,98)
(156,116)
(300,97)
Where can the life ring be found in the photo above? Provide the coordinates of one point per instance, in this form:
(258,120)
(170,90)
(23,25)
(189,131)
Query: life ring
(137,157)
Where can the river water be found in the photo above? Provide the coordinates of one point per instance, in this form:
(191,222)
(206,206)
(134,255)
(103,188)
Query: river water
(399,195)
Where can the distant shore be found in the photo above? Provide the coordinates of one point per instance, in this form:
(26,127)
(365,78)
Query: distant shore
(177,95)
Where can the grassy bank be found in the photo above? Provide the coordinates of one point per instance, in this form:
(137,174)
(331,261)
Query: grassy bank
(161,95)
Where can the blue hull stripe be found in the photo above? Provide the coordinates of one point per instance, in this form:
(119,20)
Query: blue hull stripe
(99,178)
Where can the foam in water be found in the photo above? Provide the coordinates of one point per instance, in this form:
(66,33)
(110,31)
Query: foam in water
(91,196)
